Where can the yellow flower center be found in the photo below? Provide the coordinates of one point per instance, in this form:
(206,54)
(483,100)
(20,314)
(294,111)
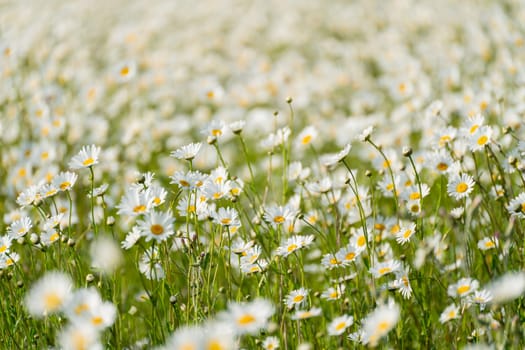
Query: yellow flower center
(65,185)
(350,256)
(246,319)
(306,140)
(80,342)
(379,226)
(483,140)
(81,308)
(184,183)
(474,128)
(414,195)
(157,229)
(442,166)
(97,320)
(279,219)
(390,187)
(214,345)
(489,244)
(139,208)
(298,298)
(383,326)
(340,326)
(216,132)
(291,247)
(226,221)
(52,301)
(124,71)
(156,200)
(54,237)
(384,270)
(461,187)
(88,162)
(444,139)
(334,261)
(463,289)
(3,248)
(361,241)
(407,233)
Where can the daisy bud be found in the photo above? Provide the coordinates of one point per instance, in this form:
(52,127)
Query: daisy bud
(368,173)
(507,130)
(110,221)
(20,284)
(173,300)
(21,241)
(71,242)
(90,278)
(407,151)
(34,238)
(289,100)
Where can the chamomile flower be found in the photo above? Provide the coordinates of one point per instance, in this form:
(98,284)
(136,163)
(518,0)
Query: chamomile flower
(187,152)
(248,318)
(488,243)
(135,202)
(49,236)
(131,238)
(29,196)
(451,312)
(329,160)
(481,138)
(379,322)
(79,336)
(5,244)
(405,233)
(87,157)
(445,136)
(149,265)
(158,195)
(382,268)
(215,191)
(214,130)
(49,294)
(270,343)
(461,186)
(516,206)
(53,221)
(339,325)
(331,261)
(125,71)
(480,297)
(226,217)
(440,161)
(306,136)
(293,244)
(463,287)
(157,226)
(186,337)
(507,287)
(8,259)
(304,314)
(333,293)
(87,307)
(65,180)
(277,215)
(348,254)
(20,227)
(296,298)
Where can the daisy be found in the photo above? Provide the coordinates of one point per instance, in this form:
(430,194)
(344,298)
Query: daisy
(472,125)
(186,337)
(304,314)
(65,180)
(49,294)
(402,282)
(131,238)
(30,196)
(445,136)
(331,261)
(481,138)
(451,312)
(330,160)
(48,190)
(440,161)
(214,191)
(49,236)
(5,244)
(405,233)
(87,157)
(187,152)
(219,175)
(214,129)
(53,221)
(516,206)
(488,243)
(306,136)
(277,215)
(382,268)
(480,297)
(190,205)
(333,293)
(339,325)
(248,318)
(226,217)
(237,126)
(79,336)
(135,202)
(8,259)
(258,266)
(460,187)
(348,254)
(156,225)
(463,287)
(270,343)
(294,243)
(125,71)
(379,322)
(20,227)
(507,287)
(296,298)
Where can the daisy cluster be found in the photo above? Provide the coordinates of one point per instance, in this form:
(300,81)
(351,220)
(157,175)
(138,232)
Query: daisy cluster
(264,174)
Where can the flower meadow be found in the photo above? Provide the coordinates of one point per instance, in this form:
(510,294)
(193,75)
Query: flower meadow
(262,175)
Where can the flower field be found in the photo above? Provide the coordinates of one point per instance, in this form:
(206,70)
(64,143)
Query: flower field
(232,174)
